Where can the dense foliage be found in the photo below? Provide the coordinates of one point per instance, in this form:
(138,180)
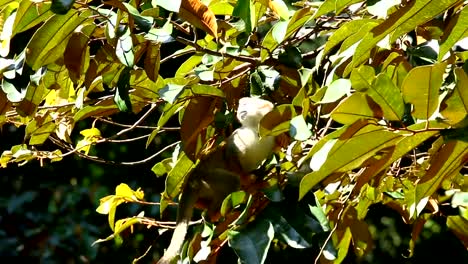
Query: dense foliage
(371,107)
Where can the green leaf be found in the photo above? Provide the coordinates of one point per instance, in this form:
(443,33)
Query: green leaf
(124,49)
(144,22)
(177,175)
(245,10)
(144,86)
(387,95)
(297,21)
(50,40)
(209,90)
(152,60)
(278,31)
(387,156)
(455,31)
(299,129)
(343,245)
(171,92)
(252,244)
(30,14)
(292,225)
(421,89)
(357,106)
(34,95)
(6,25)
(188,65)
(398,23)
(121,96)
(355,145)
(291,57)
(173,5)
(12,94)
(456,105)
(334,6)
(361,78)
(256,84)
(380,8)
(460,199)
(160,35)
(459,226)
(347,30)
(336,90)
(100,110)
(447,162)
(319,214)
(61,7)
(39,130)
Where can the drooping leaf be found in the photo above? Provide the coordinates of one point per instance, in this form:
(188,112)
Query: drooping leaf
(152,60)
(122,96)
(421,89)
(124,48)
(245,10)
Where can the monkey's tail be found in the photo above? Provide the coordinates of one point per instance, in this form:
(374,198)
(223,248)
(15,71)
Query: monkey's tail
(184,214)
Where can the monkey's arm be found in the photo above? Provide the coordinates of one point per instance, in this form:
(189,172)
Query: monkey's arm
(207,187)
(219,174)
(187,201)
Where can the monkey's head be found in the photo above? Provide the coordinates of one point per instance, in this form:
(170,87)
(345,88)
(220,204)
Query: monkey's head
(252,110)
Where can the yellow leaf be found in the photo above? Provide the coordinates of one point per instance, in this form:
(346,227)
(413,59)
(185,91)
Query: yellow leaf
(125,191)
(199,15)
(105,204)
(92,132)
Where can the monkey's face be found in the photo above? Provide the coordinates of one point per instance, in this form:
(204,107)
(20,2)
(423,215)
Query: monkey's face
(252,110)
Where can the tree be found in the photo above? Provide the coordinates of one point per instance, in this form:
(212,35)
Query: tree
(371,94)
